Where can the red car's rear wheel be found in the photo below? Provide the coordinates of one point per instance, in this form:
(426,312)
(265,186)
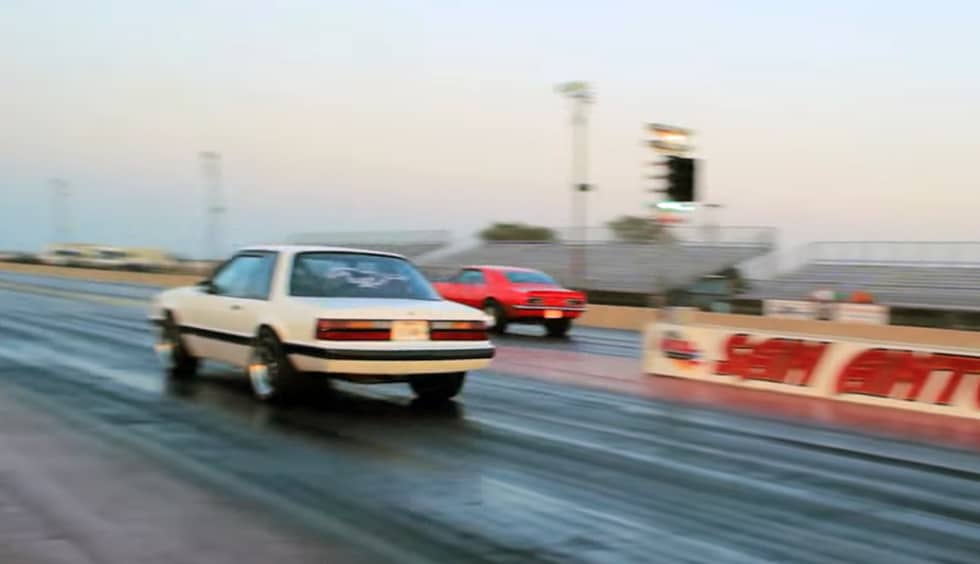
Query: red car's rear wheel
(493,309)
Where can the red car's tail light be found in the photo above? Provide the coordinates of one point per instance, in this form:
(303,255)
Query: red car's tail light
(352,330)
(458,331)
(575,302)
(535,301)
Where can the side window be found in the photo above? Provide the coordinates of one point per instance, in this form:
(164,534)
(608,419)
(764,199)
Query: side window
(226,278)
(474,277)
(245,276)
(260,280)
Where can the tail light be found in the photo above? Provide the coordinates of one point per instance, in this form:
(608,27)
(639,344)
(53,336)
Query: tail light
(575,302)
(352,330)
(535,301)
(458,331)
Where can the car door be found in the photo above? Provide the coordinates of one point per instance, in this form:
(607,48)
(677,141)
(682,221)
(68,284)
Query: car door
(451,289)
(224,317)
(472,287)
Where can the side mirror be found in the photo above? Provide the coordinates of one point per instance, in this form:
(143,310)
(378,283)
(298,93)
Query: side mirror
(206,286)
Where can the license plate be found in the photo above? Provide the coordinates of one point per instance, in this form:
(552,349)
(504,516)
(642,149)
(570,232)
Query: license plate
(552,314)
(410,331)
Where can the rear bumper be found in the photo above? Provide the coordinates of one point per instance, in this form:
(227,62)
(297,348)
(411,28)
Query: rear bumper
(538,312)
(387,364)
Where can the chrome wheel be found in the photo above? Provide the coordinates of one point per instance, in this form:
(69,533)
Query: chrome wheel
(165,346)
(491,313)
(496,318)
(169,348)
(264,368)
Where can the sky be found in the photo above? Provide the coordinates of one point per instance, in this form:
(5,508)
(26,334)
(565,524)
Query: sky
(832,120)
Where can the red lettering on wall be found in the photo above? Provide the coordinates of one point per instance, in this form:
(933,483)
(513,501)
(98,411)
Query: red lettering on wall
(877,372)
(788,361)
(957,366)
(861,375)
(737,349)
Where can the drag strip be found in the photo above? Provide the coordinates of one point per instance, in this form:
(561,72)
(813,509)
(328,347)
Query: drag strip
(518,470)
(606,342)
(581,339)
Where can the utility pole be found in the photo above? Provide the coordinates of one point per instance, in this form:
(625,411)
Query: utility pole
(581,96)
(60,210)
(211,173)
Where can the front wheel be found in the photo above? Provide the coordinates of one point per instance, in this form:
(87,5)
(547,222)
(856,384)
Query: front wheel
(178,361)
(270,372)
(558,327)
(437,387)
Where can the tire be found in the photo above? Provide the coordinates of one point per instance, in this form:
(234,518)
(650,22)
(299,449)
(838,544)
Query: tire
(496,311)
(170,347)
(270,373)
(438,387)
(558,328)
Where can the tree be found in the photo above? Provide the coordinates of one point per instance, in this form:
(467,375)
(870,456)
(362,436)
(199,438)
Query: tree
(517,232)
(635,229)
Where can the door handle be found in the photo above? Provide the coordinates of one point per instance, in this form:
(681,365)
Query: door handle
(236,307)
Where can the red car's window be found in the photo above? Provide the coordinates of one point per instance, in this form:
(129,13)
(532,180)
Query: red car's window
(471,277)
(529,277)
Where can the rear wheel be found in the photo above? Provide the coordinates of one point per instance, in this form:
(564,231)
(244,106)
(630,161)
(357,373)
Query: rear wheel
(178,361)
(493,309)
(270,372)
(437,387)
(558,327)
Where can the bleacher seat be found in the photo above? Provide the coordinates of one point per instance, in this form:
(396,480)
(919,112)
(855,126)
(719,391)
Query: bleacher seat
(892,284)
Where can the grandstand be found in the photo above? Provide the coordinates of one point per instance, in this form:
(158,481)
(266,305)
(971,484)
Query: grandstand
(648,267)
(898,274)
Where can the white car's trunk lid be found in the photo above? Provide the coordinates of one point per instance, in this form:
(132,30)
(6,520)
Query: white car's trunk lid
(390,309)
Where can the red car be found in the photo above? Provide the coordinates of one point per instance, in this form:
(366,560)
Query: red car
(515,295)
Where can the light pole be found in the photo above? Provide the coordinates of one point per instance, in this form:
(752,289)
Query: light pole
(211,172)
(60,210)
(581,96)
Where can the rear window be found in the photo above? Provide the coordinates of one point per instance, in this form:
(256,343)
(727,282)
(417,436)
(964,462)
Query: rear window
(529,277)
(356,275)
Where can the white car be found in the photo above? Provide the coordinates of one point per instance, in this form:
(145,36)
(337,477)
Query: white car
(107,257)
(62,256)
(293,312)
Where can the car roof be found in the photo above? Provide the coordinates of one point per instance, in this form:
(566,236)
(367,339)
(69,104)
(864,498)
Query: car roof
(295,249)
(502,268)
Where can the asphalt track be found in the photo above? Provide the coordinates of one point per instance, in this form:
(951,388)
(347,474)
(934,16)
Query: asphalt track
(518,470)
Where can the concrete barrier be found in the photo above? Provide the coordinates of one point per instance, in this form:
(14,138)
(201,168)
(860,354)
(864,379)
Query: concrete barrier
(927,370)
(617,317)
(832,329)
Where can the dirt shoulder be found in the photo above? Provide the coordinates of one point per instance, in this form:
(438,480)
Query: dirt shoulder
(97,275)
